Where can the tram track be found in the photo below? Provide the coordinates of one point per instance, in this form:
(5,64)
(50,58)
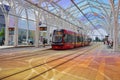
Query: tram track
(33,67)
(60,64)
(27,55)
(19,53)
(23,56)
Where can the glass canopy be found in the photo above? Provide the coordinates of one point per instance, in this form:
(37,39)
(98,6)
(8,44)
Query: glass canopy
(93,14)
(90,12)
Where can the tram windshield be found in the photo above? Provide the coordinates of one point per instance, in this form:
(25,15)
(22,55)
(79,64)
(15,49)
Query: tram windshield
(57,36)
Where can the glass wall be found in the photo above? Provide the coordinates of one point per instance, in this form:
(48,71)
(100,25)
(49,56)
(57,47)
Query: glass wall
(22,31)
(26,26)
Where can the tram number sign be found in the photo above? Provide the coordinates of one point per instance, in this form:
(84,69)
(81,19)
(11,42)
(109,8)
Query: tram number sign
(43,28)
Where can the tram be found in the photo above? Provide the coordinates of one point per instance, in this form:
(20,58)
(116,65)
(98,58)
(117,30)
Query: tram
(65,39)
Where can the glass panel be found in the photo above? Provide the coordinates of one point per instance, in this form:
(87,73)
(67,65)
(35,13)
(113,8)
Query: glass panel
(22,31)
(31,14)
(64,3)
(23,14)
(31,38)
(22,36)
(11,21)
(22,23)
(34,1)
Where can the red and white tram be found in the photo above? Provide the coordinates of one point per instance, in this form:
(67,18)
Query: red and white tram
(65,39)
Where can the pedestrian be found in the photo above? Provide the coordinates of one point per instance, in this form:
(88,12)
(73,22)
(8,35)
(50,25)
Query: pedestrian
(44,42)
(111,43)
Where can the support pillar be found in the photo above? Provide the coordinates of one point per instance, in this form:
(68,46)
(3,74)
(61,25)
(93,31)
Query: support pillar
(27,33)
(37,35)
(116,24)
(48,34)
(48,28)
(7,30)
(16,32)
(115,37)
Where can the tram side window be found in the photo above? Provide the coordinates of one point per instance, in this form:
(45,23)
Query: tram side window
(85,39)
(74,38)
(78,39)
(82,39)
(65,38)
(69,38)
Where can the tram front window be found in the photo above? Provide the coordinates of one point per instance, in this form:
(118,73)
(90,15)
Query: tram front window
(57,38)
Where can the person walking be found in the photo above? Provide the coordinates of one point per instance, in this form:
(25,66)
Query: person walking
(44,42)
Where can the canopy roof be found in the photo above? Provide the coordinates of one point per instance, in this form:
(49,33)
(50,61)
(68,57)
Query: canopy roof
(94,12)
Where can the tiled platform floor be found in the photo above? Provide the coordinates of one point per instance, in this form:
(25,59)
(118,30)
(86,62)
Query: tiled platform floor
(95,62)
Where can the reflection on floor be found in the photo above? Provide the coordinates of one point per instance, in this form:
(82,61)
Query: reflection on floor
(90,63)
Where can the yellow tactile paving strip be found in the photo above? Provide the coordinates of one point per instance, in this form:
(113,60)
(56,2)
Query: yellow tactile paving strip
(95,64)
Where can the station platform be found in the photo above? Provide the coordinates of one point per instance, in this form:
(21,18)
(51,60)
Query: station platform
(95,62)
(23,46)
(5,47)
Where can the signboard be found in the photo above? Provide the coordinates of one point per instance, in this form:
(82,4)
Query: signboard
(7,8)
(43,28)
(11,29)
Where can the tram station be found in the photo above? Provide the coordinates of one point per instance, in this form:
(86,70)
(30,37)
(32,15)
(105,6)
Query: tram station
(59,40)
